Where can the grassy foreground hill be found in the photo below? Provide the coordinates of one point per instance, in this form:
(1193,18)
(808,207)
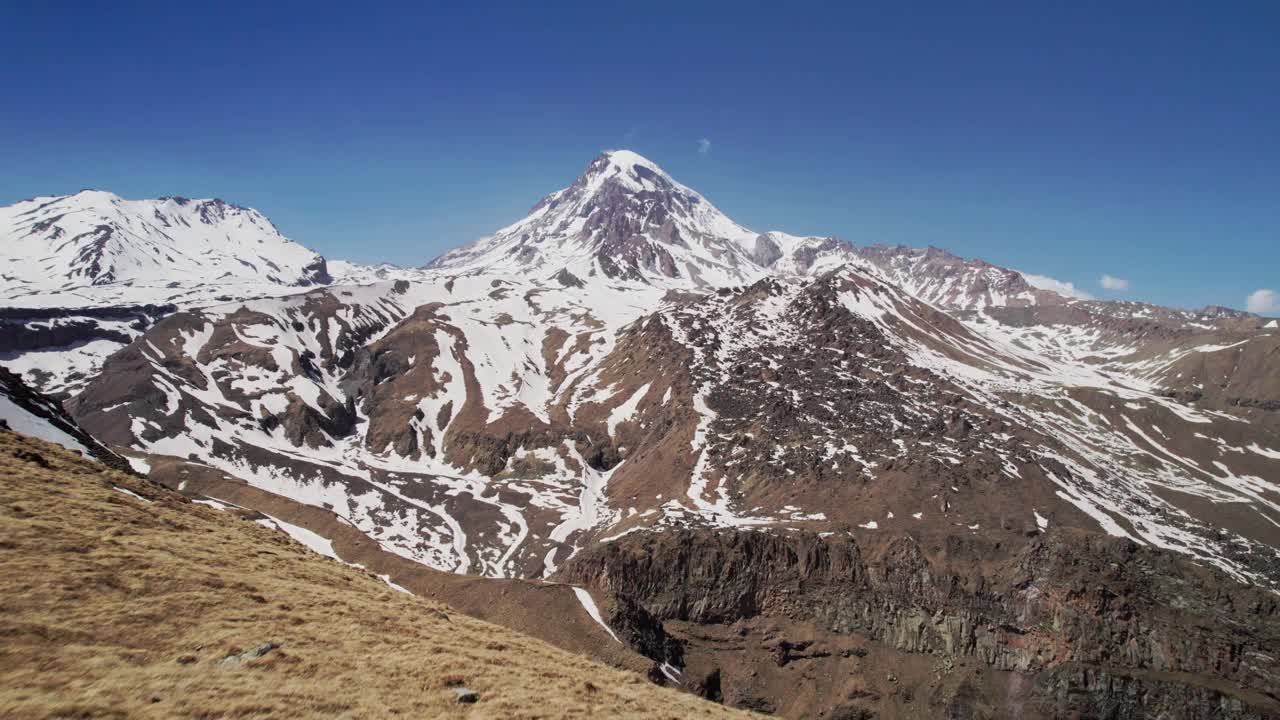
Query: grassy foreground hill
(122,599)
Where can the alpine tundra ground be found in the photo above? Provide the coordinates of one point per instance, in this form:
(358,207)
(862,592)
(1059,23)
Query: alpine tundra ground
(121,599)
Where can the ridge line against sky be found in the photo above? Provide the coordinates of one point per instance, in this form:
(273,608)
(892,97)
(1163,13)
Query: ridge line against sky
(1129,151)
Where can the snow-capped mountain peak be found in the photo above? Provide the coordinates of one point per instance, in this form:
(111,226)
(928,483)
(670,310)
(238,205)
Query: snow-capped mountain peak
(57,246)
(631,169)
(625,219)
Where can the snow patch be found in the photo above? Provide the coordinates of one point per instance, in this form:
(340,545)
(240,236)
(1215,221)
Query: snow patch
(589,604)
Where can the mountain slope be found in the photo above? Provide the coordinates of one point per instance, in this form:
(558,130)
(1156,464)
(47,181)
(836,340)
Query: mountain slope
(123,599)
(626,219)
(504,422)
(96,246)
(942,279)
(84,274)
(23,410)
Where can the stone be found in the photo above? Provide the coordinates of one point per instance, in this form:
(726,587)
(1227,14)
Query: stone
(465,695)
(257,652)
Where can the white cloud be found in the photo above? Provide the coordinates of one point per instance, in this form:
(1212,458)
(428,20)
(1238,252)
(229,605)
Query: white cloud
(704,146)
(1263,302)
(1044,282)
(1111,282)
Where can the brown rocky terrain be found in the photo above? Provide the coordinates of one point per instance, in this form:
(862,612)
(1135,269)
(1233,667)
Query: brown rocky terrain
(1068,624)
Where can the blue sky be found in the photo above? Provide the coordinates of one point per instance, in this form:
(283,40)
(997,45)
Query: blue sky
(1136,140)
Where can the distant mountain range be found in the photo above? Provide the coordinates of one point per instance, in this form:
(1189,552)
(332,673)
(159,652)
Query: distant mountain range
(792,467)
(97,246)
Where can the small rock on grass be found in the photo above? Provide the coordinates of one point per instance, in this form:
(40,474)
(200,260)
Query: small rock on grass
(465,695)
(257,652)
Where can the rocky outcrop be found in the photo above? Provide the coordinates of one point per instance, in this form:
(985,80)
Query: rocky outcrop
(315,273)
(1063,599)
(26,329)
(1074,691)
(67,333)
(306,426)
(644,632)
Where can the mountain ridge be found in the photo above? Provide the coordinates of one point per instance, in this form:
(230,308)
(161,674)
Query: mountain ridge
(728,253)
(562,395)
(133,250)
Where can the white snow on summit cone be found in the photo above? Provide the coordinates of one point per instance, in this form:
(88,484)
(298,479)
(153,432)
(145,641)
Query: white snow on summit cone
(627,219)
(97,248)
(624,221)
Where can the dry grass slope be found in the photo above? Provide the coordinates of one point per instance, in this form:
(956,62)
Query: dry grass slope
(113,607)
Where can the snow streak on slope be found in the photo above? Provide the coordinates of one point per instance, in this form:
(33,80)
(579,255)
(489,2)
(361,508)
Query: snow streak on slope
(258,389)
(1106,465)
(22,421)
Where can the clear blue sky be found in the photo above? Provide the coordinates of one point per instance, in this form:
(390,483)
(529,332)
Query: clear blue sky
(1139,140)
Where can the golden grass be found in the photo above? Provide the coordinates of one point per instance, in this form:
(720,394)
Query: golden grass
(111,607)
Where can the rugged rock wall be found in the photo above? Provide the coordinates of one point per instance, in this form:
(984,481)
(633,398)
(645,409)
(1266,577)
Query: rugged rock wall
(1096,620)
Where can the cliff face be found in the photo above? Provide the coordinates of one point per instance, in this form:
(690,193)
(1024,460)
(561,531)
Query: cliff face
(1091,625)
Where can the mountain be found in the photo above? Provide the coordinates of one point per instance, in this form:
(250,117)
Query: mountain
(345,272)
(945,280)
(783,463)
(626,219)
(56,250)
(518,428)
(82,275)
(133,601)
(123,264)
